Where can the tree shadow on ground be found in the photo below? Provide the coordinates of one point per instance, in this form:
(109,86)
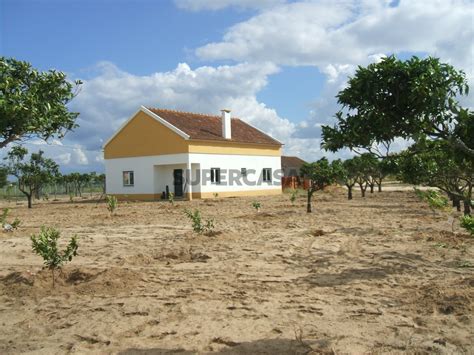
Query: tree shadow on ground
(260,347)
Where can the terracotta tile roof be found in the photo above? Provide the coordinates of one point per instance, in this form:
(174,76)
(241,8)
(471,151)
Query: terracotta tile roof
(293,162)
(207,127)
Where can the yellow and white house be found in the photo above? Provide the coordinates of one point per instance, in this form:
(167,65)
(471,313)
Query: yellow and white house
(191,155)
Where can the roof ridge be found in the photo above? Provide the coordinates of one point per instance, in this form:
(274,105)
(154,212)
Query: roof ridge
(187,112)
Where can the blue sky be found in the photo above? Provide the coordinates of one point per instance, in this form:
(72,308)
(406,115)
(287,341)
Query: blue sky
(276,63)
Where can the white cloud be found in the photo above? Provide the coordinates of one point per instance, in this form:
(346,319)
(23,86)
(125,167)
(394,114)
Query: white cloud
(80,157)
(213,5)
(111,97)
(353,32)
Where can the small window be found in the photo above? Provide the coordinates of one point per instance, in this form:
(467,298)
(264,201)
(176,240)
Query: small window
(215,175)
(267,175)
(243,172)
(128,178)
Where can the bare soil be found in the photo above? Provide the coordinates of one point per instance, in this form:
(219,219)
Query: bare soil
(382,274)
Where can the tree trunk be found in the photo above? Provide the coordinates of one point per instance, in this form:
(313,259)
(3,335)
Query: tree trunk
(29,197)
(349,192)
(467,207)
(362,190)
(372,188)
(457,204)
(380,187)
(308,205)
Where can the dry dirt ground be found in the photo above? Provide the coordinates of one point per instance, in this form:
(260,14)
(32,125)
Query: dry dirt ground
(376,275)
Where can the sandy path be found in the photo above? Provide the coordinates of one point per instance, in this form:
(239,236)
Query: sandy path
(380,274)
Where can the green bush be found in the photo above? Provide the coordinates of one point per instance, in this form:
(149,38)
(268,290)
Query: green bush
(45,244)
(435,200)
(198,225)
(112,204)
(293,196)
(171,198)
(467,222)
(8,227)
(257,205)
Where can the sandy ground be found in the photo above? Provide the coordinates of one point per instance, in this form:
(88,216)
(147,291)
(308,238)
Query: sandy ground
(376,275)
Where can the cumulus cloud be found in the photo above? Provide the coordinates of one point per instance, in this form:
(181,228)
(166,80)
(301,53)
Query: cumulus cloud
(199,5)
(326,33)
(336,36)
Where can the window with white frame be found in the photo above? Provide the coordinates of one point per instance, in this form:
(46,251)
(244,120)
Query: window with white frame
(128,178)
(243,172)
(267,175)
(215,175)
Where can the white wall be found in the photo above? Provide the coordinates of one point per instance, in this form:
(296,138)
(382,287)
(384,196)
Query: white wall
(152,174)
(236,162)
(144,173)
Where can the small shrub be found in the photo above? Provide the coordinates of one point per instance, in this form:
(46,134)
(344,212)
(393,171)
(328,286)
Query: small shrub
(215,194)
(46,197)
(467,222)
(3,217)
(197,223)
(293,196)
(71,198)
(435,200)
(257,205)
(171,198)
(16,223)
(45,244)
(112,204)
(8,227)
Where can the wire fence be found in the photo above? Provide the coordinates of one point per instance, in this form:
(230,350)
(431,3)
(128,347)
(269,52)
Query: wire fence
(52,191)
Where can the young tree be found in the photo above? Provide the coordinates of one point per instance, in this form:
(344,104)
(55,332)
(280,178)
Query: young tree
(31,174)
(33,103)
(321,174)
(407,99)
(346,174)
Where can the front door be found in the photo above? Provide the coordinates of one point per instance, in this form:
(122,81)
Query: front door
(178,182)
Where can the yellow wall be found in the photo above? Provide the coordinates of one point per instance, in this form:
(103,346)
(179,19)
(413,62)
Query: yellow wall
(267,192)
(210,147)
(197,195)
(144,136)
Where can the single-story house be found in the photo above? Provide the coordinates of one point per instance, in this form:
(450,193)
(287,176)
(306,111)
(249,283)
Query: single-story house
(291,165)
(159,151)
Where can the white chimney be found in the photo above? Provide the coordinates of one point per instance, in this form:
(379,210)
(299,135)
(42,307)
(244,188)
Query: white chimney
(226,126)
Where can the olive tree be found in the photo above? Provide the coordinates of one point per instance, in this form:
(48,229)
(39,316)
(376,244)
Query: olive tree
(346,174)
(321,174)
(34,103)
(33,173)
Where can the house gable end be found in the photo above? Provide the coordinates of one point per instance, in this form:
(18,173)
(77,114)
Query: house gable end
(145,135)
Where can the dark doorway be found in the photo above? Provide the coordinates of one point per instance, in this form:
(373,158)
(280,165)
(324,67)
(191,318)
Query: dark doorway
(178,182)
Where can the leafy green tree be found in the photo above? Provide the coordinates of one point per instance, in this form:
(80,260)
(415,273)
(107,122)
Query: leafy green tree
(407,99)
(384,168)
(33,103)
(437,164)
(321,174)
(31,174)
(346,174)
